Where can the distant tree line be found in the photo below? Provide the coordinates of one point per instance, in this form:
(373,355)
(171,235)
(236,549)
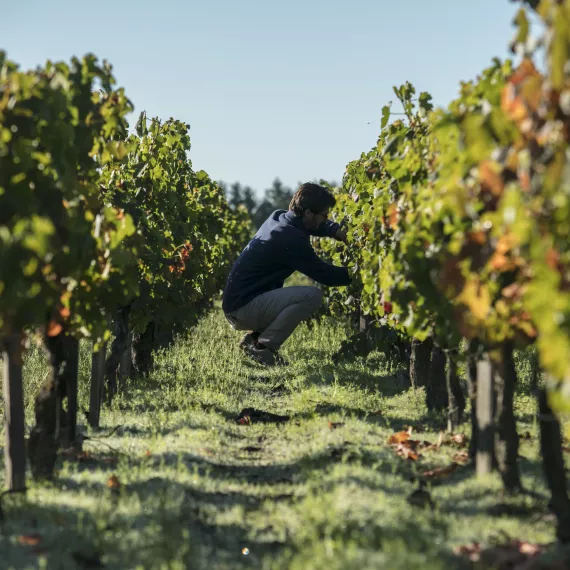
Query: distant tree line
(276,197)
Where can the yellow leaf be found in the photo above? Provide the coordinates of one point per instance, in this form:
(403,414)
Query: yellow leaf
(476,297)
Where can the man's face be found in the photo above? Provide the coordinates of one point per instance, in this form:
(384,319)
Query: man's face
(313,221)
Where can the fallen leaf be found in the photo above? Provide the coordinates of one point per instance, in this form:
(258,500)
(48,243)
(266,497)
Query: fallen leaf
(471,551)
(114,483)
(462,457)
(407,452)
(335,425)
(459,439)
(440,471)
(515,554)
(148,453)
(30,539)
(244,421)
(398,437)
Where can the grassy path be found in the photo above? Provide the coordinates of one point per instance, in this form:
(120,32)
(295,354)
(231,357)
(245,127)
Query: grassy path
(181,484)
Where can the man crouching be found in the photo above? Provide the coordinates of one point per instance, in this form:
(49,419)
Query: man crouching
(255,299)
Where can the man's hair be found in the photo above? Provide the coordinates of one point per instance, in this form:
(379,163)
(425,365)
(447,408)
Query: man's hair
(311,197)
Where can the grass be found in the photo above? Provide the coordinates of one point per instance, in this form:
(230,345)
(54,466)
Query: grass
(195,489)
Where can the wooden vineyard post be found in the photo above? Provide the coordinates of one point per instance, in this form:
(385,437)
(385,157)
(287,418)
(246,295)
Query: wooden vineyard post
(553,465)
(14,448)
(97,381)
(126,363)
(455,396)
(485,413)
(71,389)
(420,360)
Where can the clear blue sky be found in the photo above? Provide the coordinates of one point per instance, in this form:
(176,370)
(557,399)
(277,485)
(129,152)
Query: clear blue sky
(269,88)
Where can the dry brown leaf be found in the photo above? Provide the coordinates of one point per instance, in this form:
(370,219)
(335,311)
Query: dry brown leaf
(459,439)
(114,483)
(462,457)
(30,539)
(407,451)
(471,551)
(513,555)
(398,437)
(440,471)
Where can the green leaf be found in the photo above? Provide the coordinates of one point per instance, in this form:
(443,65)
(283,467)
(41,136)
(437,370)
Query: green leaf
(385,115)
(140,127)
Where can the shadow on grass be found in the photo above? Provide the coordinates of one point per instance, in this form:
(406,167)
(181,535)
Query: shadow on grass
(388,385)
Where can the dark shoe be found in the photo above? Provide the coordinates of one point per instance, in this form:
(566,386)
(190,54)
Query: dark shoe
(264,356)
(248,340)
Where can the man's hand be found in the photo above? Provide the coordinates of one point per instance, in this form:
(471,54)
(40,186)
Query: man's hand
(341,235)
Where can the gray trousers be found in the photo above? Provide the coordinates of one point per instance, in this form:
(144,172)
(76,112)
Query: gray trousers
(276,314)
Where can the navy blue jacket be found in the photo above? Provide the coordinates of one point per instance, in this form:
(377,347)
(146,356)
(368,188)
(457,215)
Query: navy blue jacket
(280,247)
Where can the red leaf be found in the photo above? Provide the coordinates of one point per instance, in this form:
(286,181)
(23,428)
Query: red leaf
(30,539)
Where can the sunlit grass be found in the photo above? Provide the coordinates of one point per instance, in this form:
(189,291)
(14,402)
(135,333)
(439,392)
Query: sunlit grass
(198,490)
